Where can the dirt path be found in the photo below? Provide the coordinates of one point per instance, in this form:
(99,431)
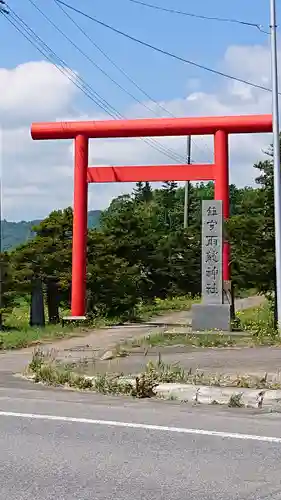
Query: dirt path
(98,341)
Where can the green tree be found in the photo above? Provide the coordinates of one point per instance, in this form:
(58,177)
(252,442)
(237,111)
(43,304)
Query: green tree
(251,233)
(47,255)
(143,192)
(113,284)
(7,290)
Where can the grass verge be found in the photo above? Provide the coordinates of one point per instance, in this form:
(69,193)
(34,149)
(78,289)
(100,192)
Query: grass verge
(44,368)
(18,334)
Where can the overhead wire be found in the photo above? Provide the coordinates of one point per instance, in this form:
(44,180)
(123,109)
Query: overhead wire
(2,7)
(163,51)
(105,106)
(125,74)
(90,59)
(197,16)
(49,54)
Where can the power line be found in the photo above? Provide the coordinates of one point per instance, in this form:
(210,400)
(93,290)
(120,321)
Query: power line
(122,71)
(164,52)
(94,96)
(49,54)
(90,59)
(60,64)
(111,61)
(3,10)
(71,76)
(197,16)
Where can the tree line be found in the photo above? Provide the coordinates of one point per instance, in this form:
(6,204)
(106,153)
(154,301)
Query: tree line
(140,250)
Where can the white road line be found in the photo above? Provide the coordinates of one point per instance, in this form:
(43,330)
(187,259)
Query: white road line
(149,427)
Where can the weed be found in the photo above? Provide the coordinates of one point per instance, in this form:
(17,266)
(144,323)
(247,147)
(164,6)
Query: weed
(260,398)
(53,374)
(235,400)
(111,384)
(165,373)
(196,397)
(145,385)
(243,382)
(37,360)
(83,382)
(172,397)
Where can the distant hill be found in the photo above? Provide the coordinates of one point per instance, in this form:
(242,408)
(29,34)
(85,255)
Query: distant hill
(16,233)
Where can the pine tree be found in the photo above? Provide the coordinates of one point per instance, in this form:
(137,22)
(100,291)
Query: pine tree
(147,192)
(138,190)
(143,192)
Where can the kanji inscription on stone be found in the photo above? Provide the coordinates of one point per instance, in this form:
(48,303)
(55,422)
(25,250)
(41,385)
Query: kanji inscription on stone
(212,246)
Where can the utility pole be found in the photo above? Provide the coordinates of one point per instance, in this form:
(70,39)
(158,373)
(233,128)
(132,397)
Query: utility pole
(187,184)
(1,250)
(4,11)
(276,158)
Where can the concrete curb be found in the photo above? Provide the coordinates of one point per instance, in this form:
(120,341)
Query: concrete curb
(202,394)
(219,395)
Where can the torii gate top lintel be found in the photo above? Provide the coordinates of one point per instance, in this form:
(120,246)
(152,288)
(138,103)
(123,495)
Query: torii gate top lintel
(153,127)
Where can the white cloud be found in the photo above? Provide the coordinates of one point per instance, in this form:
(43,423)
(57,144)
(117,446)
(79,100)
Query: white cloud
(34,90)
(37,176)
(250,62)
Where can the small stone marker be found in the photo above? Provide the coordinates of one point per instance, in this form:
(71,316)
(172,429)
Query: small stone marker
(212,313)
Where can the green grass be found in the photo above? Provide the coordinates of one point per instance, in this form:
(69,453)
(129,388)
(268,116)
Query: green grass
(259,322)
(18,339)
(18,334)
(186,339)
(160,306)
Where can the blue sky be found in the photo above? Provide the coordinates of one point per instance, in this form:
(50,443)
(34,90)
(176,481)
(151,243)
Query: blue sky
(201,41)
(42,173)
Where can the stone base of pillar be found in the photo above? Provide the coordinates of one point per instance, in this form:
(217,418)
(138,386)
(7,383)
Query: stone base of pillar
(207,317)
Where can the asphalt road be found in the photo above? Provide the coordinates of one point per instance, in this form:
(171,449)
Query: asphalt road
(64,445)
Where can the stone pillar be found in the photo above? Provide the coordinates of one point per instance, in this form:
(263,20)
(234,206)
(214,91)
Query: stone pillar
(212,313)
(37,313)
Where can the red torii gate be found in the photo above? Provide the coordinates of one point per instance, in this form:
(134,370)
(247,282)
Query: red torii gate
(81,132)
